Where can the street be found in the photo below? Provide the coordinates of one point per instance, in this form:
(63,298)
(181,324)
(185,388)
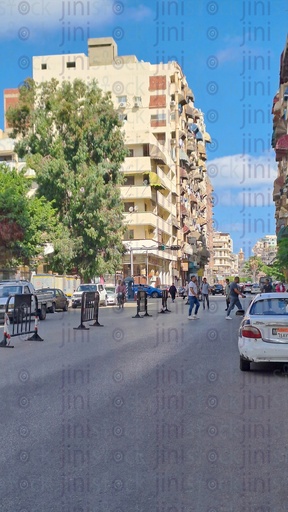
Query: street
(141,415)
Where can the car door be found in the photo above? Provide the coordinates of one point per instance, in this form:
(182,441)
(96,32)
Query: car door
(60,299)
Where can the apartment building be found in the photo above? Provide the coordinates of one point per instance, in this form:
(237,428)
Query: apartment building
(166,191)
(266,249)
(280,144)
(223,260)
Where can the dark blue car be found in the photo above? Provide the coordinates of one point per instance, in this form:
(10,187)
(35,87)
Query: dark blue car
(150,290)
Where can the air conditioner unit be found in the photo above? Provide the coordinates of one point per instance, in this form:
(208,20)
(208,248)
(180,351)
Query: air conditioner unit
(137,103)
(172,104)
(131,209)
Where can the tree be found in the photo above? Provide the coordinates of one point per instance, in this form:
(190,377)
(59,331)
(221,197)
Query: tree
(26,224)
(71,137)
(282,257)
(253,266)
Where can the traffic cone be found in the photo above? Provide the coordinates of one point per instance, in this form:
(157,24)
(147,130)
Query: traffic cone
(35,336)
(7,337)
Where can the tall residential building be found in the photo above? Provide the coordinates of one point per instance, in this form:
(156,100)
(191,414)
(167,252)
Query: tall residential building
(266,249)
(223,260)
(166,191)
(280,144)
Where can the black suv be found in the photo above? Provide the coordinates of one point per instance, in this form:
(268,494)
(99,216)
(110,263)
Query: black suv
(217,289)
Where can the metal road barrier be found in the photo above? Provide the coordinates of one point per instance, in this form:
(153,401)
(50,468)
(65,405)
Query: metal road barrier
(24,318)
(164,308)
(142,304)
(89,310)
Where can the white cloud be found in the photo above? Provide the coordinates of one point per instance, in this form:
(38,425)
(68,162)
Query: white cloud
(139,13)
(39,14)
(242,172)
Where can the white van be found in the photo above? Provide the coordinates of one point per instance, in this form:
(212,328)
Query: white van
(90,287)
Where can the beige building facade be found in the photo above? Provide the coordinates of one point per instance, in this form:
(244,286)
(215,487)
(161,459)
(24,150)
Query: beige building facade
(280,144)
(224,263)
(266,249)
(166,204)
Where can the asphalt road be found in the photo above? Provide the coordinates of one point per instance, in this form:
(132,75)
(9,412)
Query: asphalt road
(141,415)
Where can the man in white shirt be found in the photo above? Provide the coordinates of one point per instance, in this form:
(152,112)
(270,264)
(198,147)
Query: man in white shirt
(193,298)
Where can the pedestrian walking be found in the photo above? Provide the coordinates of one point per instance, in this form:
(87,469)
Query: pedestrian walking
(187,292)
(193,298)
(205,289)
(227,293)
(235,292)
(173,291)
(280,287)
(267,287)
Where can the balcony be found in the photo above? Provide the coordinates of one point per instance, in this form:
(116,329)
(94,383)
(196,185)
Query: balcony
(166,203)
(136,164)
(147,219)
(136,192)
(169,184)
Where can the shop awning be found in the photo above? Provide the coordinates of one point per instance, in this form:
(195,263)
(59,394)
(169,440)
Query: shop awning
(183,173)
(282,143)
(155,181)
(207,137)
(183,156)
(193,127)
(189,111)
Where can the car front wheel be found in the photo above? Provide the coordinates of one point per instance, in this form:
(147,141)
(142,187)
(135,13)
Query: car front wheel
(154,295)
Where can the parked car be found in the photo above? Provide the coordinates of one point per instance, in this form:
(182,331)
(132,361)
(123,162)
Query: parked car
(255,288)
(151,291)
(59,300)
(19,287)
(182,292)
(263,334)
(247,288)
(111,298)
(90,287)
(217,289)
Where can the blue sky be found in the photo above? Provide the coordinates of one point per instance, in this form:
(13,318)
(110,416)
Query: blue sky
(230,52)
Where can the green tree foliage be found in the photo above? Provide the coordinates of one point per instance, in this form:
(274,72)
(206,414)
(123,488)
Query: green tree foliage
(72,139)
(26,224)
(282,257)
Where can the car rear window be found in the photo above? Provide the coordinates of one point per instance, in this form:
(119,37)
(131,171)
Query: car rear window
(270,307)
(87,288)
(5,291)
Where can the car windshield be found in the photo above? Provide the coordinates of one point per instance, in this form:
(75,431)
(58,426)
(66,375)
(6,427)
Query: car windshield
(272,306)
(5,291)
(87,288)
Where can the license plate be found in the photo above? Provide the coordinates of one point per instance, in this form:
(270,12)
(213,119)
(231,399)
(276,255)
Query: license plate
(281,332)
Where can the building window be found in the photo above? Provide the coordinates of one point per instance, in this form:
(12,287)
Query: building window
(43,66)
(129,234)
(70,64)
(130,152)
(121,99)
(129,180)
(158,120)
(123,117)
(128,207)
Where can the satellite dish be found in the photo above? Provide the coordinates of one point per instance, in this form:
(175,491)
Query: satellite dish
(145,182)
(131,209)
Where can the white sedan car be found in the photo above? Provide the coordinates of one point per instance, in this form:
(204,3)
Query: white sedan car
(255,288)
(263,334)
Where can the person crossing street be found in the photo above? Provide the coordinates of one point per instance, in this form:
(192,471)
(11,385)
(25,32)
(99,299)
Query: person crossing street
(193,298)
(205,289)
